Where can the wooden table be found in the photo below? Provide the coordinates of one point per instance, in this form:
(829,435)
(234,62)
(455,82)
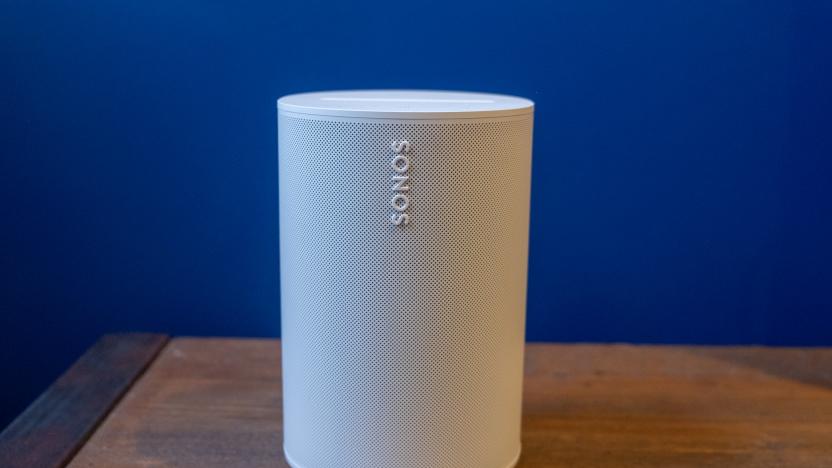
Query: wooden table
(144,400)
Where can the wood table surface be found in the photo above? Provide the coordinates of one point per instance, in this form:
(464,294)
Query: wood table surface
(205,402)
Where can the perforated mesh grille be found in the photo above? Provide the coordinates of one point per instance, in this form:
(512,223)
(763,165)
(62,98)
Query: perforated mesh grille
(402,345)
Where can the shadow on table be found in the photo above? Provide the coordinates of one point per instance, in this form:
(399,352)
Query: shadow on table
(811,366)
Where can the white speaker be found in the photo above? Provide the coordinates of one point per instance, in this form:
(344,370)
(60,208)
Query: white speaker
(403,253)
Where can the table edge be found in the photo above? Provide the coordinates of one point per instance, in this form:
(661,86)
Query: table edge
(59,422)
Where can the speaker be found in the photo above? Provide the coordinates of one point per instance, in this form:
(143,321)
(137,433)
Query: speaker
(404,222)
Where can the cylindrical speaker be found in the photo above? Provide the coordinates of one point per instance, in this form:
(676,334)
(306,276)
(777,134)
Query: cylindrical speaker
(404,221)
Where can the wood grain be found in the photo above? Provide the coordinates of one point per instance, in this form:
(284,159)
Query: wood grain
(216,403)
(58,423)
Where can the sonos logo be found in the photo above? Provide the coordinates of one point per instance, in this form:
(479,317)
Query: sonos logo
(401,174)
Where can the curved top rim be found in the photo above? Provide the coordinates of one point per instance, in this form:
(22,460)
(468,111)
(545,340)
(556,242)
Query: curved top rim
(405,104)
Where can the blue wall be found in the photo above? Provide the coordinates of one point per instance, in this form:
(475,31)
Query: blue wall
(681,175)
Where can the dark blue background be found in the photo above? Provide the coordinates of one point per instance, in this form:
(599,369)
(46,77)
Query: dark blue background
(681,169)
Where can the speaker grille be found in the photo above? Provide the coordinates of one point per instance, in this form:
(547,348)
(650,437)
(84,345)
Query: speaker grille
(403,345)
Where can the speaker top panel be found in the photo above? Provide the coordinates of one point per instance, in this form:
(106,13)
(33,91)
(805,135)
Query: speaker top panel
(405,104)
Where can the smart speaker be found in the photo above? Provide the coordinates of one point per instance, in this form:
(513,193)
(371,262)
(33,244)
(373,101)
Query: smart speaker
(404,222)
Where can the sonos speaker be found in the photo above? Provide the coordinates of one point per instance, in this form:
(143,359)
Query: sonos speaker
(404,221)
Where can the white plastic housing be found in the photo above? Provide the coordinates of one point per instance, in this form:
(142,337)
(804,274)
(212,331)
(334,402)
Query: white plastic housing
(403,252)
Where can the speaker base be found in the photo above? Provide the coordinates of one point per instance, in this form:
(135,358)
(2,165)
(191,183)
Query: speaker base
(295,464)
